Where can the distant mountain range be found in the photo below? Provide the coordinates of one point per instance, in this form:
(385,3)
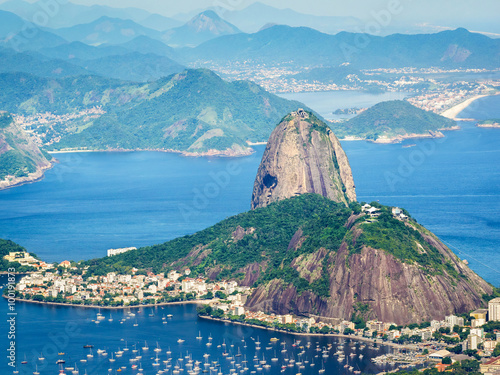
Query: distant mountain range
(307,47)
(222,43)
(80,59)
(35,63)
(106,30)
(66,14)
(257,15)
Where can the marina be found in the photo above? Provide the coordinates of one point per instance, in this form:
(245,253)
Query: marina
(186,345)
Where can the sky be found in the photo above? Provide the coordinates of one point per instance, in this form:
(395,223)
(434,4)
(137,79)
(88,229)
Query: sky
(452,9)
(479,15)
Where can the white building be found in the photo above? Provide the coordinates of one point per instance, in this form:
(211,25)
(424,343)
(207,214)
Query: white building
(426,334)
(239,310)
(477,322)
(112,252)
(472,342)
(478,332)
(494,309)
(453,320)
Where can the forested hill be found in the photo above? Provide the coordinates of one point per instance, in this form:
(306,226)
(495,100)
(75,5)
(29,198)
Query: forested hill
(392,119)
(195,112)
(20,158)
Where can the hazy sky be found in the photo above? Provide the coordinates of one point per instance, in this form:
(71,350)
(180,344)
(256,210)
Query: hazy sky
(479,15)
(432,9)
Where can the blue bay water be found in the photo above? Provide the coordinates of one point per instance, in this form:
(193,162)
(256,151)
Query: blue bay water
(46,331)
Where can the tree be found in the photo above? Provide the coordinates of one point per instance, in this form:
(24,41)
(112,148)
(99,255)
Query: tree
(446,361)
(220,295)
(496,351)
(325,329)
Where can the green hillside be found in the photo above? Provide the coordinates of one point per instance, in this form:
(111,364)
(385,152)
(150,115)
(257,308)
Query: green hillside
(193,111)
(391,119)
(268,237)
(7,246)
(19,157)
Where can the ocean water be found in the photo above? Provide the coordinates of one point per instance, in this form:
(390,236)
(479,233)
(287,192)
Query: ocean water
(482,109)
(90,202)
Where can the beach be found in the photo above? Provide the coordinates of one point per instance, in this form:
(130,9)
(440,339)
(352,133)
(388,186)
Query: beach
(453,112)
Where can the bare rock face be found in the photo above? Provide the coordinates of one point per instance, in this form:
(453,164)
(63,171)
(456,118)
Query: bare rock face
(303,156)
(391,290)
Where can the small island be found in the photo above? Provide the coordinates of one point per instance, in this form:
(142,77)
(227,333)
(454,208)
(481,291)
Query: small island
(393,122)
(491,123)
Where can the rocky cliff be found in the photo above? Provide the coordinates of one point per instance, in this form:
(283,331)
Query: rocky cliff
(377,285)
(303,156)
(21,161)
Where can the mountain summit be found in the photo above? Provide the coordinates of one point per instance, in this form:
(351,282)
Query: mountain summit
(209,21)
(303,156)
(201,28)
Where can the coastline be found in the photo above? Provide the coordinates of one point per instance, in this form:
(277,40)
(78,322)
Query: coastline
(210,153)
(31,178)
(196,302)
(340,335)
(453,112)
(490,126)
(402,137)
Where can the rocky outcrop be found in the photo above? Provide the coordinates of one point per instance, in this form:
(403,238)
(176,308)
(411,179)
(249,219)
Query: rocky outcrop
(390,290)
(303,156)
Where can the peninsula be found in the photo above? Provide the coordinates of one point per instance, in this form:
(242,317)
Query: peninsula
(21,160)
(393,122)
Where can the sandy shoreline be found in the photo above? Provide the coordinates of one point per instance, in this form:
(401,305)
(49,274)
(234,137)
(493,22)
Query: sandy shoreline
(453,112)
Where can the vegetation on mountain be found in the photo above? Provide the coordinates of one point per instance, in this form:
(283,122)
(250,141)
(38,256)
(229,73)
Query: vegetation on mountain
(19,157)
(391,119)
(193,111)
(493,121)
(323,223)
